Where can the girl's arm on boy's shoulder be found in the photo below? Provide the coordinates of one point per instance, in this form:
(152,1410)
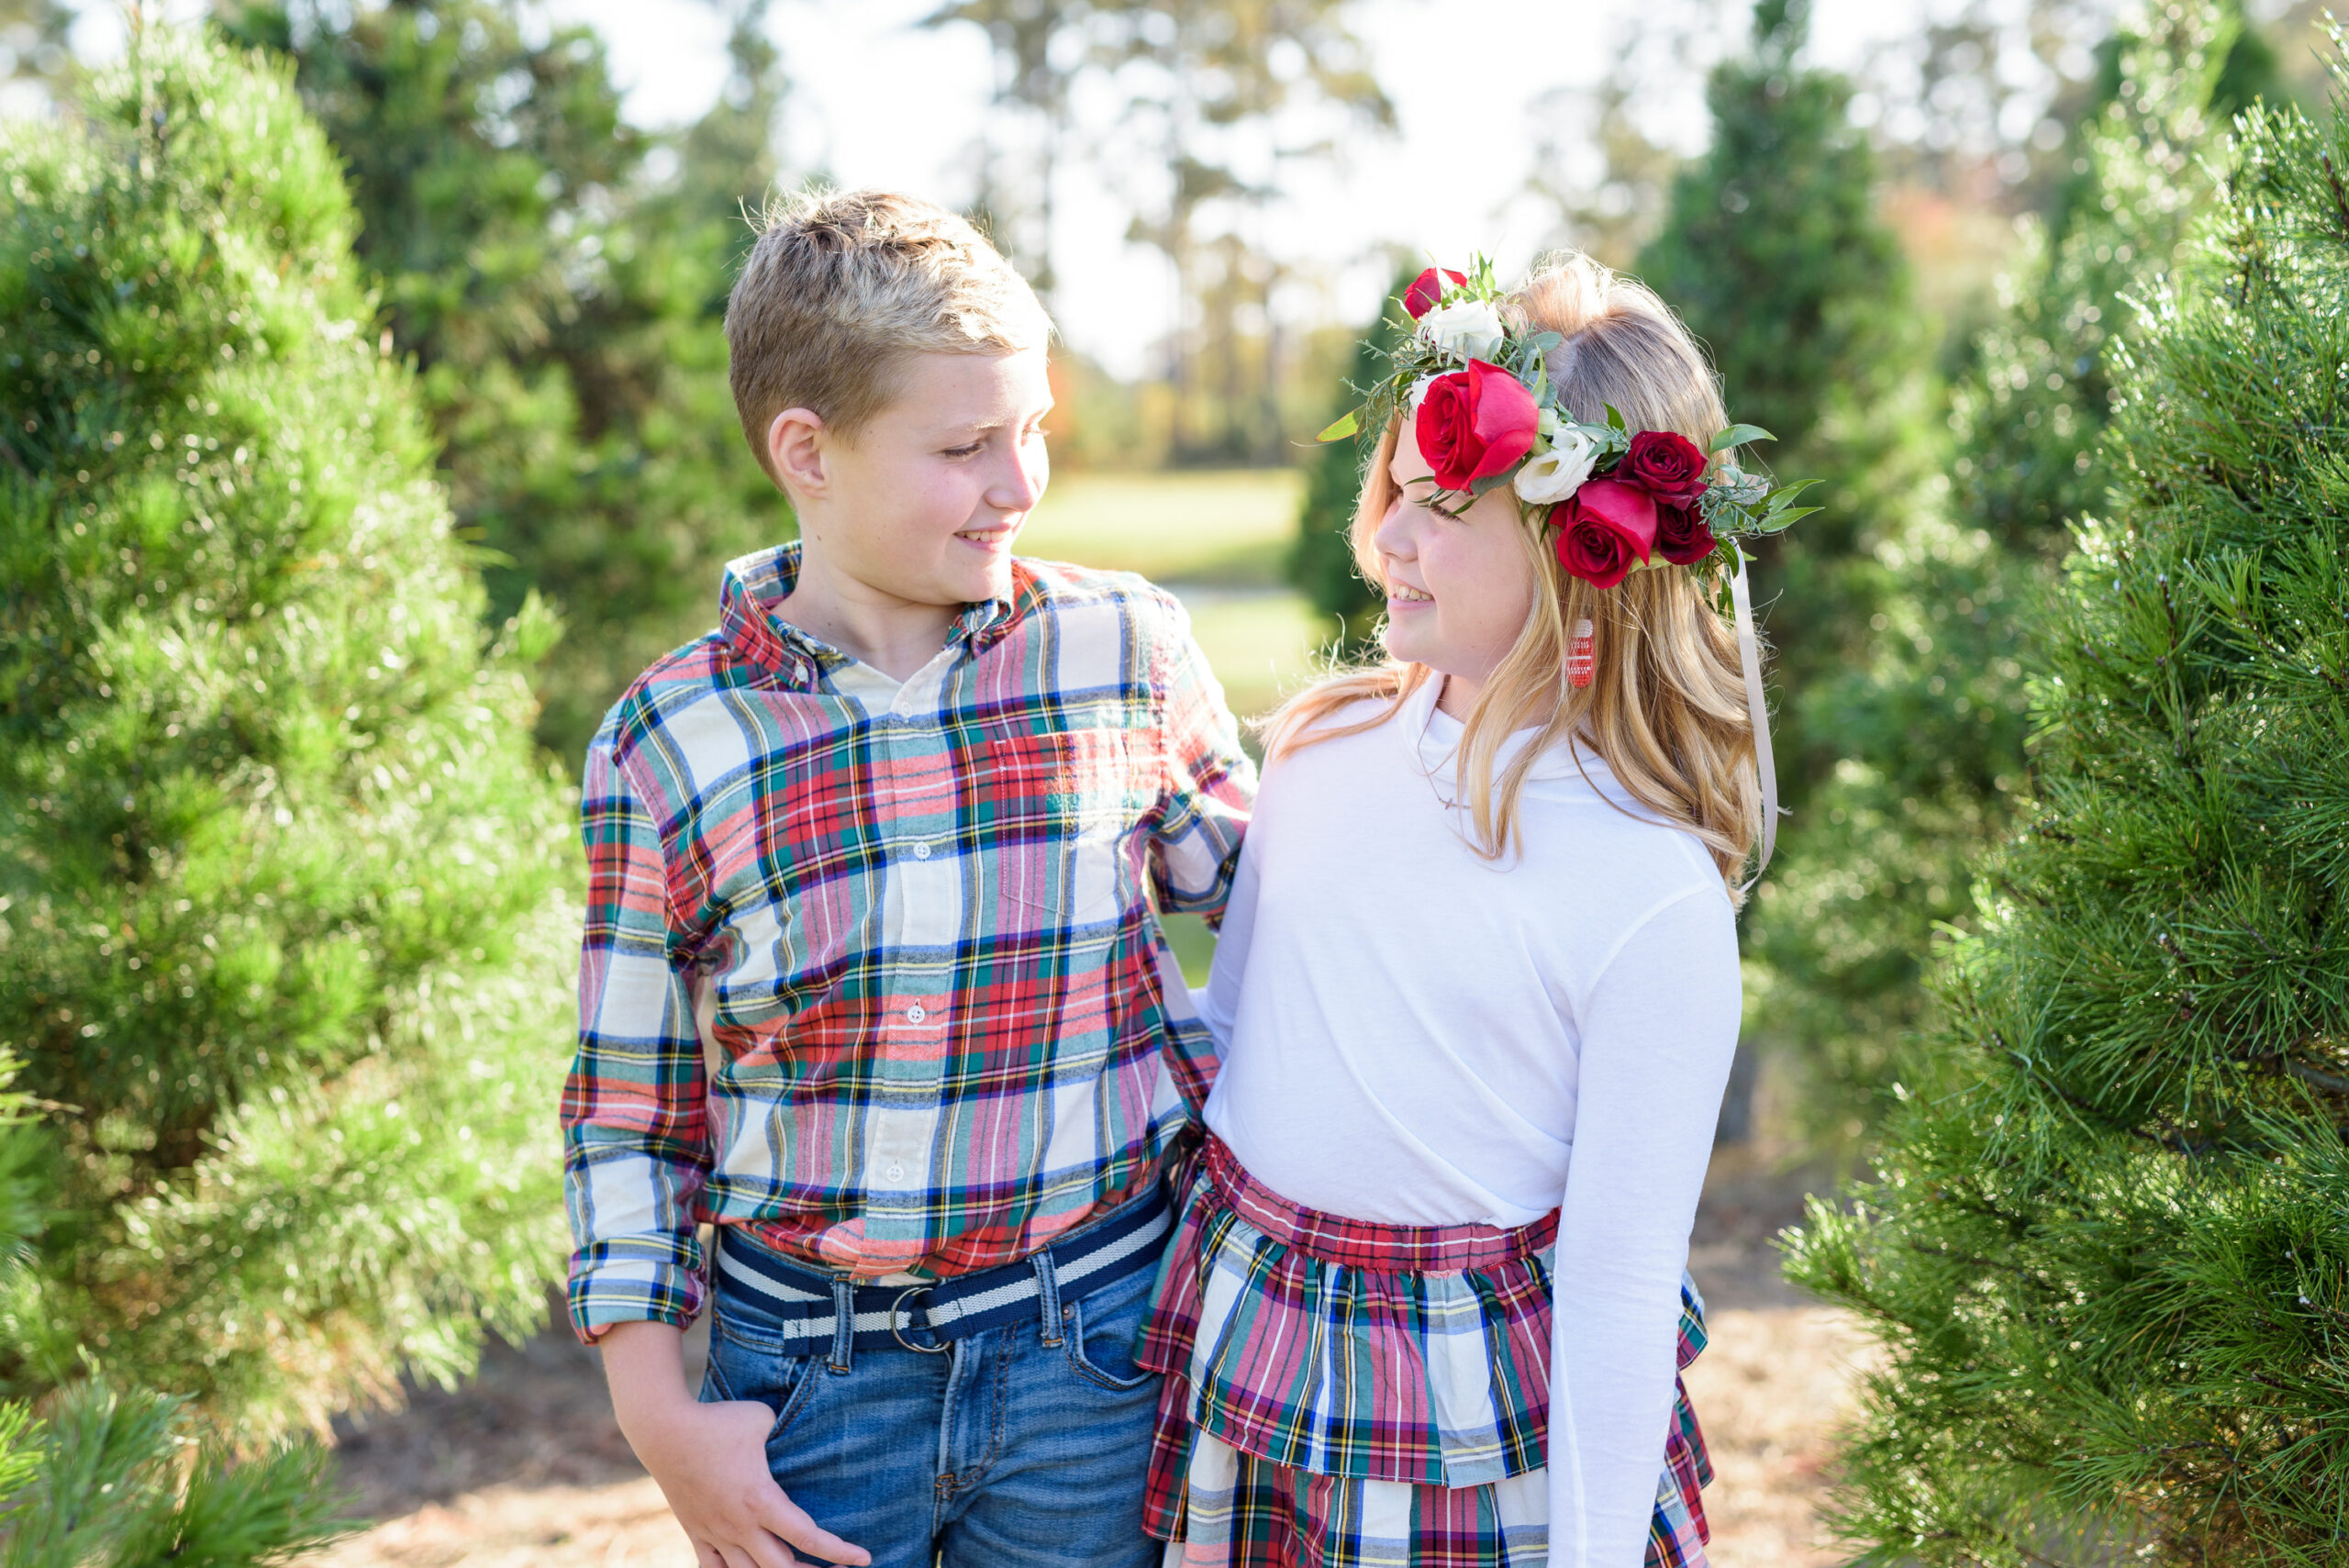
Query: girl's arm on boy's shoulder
(635,1117)
(1208,784)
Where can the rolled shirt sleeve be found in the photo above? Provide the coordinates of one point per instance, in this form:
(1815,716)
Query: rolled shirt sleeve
(636,1145)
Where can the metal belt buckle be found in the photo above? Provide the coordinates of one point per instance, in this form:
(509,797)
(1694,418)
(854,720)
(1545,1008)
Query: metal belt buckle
(899,1306)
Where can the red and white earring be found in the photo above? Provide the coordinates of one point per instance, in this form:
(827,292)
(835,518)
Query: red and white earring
(1579,667)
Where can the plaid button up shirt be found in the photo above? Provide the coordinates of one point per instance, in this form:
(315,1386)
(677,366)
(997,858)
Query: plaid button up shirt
(883,985)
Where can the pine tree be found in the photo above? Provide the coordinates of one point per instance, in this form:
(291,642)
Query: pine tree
(105,1476)
(1774,256)
(563,307)
(2106,1248)
(1773,252)
(283,925)
(1933,717)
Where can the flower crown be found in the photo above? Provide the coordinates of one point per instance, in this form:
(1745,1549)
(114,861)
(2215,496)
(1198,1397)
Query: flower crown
(1484,415)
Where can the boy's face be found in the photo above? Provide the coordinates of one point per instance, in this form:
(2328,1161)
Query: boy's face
(923,505)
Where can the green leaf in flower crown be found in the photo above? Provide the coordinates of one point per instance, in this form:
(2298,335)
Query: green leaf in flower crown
(1615,419)
(1543,342)
(1490,482)
(1737,436)
(1776,519)
(1349,424)
(1786,493)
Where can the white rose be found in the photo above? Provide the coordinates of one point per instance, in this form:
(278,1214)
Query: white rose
(1471,330)
(1419,395)
(1558,472)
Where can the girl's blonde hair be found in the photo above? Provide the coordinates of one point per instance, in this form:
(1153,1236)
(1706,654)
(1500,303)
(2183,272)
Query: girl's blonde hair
(1667,709)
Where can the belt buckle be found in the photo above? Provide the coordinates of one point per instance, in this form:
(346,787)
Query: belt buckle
(898,1334)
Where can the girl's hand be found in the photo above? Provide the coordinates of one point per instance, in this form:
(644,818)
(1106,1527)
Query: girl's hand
(709,1461)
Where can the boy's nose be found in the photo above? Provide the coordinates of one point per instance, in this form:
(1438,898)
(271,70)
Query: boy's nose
(1019,484)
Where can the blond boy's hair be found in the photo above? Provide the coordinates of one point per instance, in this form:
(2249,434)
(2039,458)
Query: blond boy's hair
(842,287)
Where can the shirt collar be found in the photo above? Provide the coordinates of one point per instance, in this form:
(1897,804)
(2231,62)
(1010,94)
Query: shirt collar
(1433,736)
(754,585)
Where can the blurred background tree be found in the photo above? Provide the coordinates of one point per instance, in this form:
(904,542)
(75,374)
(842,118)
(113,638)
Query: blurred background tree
(1927,716)
(1615,212)
(2104,1245)
(33,40)
(284,931)
(1321,559)
(1201,84)
(1193,74)
(561,291)
(1774,254)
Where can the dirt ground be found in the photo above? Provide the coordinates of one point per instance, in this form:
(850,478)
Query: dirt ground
(524,1468)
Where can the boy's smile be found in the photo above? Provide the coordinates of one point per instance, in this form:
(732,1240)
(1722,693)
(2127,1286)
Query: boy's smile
(914,516)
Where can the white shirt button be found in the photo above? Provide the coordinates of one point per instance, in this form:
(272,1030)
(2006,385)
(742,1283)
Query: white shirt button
(921,851)
(896,1173)
(916,1013)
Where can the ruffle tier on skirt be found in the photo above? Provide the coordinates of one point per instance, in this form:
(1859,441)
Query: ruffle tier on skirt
(1341,1392)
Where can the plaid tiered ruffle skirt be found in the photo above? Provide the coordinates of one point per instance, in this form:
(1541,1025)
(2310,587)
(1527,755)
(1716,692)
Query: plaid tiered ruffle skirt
(1342,1394)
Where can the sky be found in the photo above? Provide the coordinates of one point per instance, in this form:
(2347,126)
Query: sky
(877,100)
(882,101)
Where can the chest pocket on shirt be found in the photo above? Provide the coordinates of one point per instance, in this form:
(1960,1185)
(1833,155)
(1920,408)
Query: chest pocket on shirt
(1057,809)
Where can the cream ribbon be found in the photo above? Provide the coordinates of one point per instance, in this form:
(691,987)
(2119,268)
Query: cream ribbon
(1765,766)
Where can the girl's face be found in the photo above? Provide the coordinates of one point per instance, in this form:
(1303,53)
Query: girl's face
(1458,589)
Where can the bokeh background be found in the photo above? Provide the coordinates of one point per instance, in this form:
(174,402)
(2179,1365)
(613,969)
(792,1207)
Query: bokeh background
(1913,233)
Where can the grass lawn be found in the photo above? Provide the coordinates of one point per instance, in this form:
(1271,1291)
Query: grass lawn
(1262,645)
(1218,539)
(1229,527)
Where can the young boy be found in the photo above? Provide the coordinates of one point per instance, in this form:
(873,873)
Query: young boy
(871,981)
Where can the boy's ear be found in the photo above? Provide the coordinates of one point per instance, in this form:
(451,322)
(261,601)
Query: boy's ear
(796,441)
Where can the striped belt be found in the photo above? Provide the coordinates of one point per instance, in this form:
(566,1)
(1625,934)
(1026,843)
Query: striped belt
(799,1303)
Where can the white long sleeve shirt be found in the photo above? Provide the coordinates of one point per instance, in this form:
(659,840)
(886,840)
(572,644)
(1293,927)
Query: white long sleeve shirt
(1414,1034)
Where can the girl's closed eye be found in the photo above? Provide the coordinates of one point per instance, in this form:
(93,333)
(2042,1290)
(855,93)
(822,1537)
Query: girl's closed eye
(972,450)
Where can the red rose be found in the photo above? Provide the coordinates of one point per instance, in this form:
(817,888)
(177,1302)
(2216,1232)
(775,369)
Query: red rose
(1602,528)
(1666,465)
(1425,289)
(1474,423)
(1681,536)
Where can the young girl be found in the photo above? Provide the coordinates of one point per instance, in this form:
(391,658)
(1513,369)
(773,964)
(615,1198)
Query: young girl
(1477,989)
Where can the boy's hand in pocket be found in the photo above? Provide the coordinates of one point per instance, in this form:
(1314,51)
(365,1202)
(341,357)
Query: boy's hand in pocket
(710,1460)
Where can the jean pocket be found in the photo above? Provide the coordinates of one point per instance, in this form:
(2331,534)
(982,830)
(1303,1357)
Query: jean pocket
(749,1366)
(1101,1331)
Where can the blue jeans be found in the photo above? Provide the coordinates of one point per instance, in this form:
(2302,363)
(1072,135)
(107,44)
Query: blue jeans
(1020,1447)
